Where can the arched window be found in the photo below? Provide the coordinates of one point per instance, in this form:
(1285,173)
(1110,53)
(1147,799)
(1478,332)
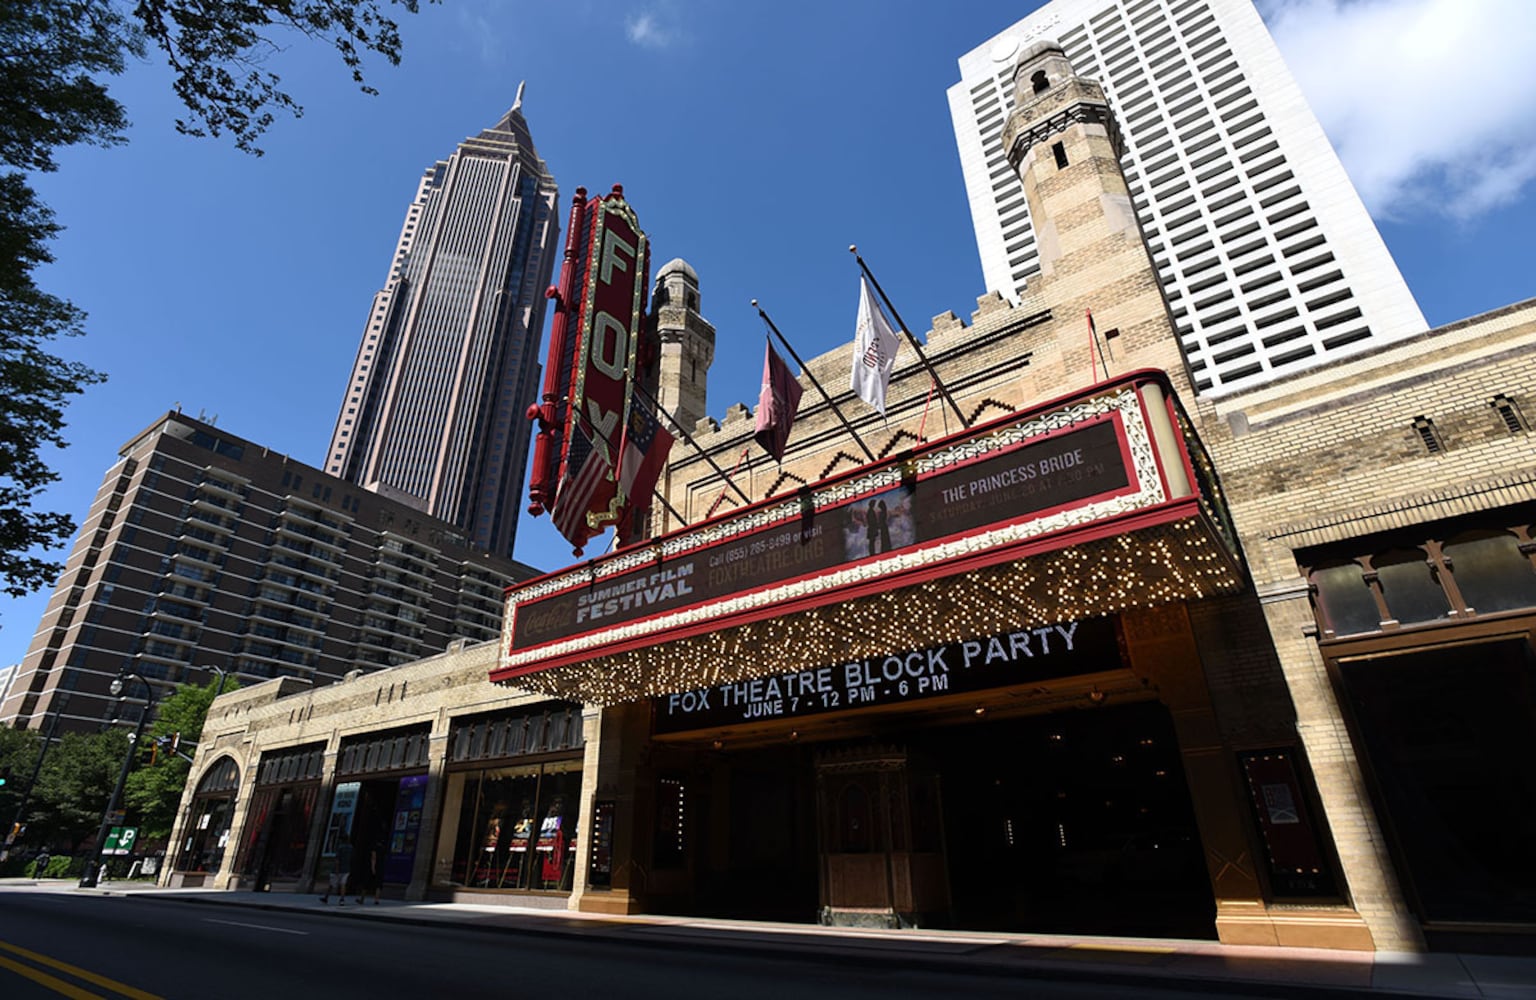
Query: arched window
(206,829)
(1410,588)
(221,777)
(1490,571)
(1348,607)
(1039,82)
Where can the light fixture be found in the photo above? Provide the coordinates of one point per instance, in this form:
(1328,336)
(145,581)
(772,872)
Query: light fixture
(116,687)
(981,712)
(1096,696)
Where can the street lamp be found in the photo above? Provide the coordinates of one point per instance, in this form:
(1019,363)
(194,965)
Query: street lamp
(92,873)
(223,676)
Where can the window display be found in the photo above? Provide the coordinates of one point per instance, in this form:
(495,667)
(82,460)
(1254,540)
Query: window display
(517,826)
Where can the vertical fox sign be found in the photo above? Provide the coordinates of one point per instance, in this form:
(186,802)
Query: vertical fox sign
(595,350)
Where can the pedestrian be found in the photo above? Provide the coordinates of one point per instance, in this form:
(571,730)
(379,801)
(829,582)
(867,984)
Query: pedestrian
(340,874)
(372,864)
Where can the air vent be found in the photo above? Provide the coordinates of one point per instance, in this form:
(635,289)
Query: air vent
(1509,412)
(1425,429)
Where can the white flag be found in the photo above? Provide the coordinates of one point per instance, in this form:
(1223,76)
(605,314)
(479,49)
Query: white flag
(874,351)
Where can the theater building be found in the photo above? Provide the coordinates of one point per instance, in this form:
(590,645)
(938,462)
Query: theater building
(1069,650)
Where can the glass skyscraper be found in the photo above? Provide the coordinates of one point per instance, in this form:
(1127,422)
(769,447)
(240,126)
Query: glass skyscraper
(433,412)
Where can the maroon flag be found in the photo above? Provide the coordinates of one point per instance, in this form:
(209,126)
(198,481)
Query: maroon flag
(776,405)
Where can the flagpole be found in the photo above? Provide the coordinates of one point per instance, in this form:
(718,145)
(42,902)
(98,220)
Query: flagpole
(629,516)
(943,390)
(716,505)
(1094,343)
(814,381)
(651,402)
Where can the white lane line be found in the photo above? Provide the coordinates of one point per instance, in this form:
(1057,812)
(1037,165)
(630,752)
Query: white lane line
(259,927)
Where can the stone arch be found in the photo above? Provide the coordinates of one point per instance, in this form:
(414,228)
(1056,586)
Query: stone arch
(208,816)
(222,775)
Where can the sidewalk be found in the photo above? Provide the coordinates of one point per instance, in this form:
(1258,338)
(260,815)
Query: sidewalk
(1145,962)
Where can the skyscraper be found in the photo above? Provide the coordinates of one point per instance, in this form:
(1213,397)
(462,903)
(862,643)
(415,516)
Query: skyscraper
(1265,252)
(433,412)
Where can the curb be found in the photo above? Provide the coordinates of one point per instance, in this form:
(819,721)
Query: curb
(971,962)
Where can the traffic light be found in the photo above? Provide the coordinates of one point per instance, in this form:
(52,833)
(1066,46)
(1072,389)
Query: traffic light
(5,776)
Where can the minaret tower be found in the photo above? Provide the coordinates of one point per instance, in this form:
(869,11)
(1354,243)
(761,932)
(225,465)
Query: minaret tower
(687,343)
(1062,140)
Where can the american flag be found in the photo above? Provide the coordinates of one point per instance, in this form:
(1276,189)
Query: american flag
(587,488)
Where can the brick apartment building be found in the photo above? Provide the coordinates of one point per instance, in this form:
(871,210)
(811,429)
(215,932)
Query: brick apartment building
(202,549)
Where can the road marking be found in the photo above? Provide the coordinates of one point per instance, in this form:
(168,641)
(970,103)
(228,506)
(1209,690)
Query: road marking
(61,987)
(259,927)
(58,986)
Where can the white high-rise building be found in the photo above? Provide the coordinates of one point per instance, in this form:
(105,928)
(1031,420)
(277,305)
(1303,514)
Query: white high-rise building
(1269,259)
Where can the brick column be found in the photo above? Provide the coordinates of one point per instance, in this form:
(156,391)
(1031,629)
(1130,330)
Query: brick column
(322,813)
(1369,877)
(246,756)
(616,737)
(424,867)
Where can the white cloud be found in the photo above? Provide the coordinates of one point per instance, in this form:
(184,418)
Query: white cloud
(649,29)
(1430,103)
(481,30)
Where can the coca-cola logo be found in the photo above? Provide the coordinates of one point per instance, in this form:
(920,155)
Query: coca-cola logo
(537,619)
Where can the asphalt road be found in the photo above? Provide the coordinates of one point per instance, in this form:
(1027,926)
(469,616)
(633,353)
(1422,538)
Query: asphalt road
(56,944)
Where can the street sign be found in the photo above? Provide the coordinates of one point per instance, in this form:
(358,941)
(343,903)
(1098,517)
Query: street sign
(120,840)
(116,817)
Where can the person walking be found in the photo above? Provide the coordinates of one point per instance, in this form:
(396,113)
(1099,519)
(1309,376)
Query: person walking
(341,873)
(372,863)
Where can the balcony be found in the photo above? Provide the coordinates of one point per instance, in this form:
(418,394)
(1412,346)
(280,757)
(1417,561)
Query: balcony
(290,621)
(216,488)
(425,574)
(312,536)
(215,503)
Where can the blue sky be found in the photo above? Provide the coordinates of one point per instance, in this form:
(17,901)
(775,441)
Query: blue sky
(755,141)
